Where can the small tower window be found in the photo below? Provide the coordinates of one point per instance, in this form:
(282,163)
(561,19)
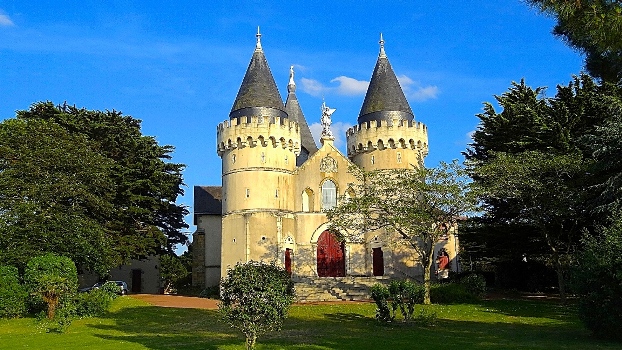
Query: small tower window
(399,157)
(233,157)
(276,194)
(248,192)
(286,160)
(263,157)
(373,159)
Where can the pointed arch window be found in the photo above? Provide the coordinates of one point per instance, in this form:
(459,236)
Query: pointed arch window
(329,195)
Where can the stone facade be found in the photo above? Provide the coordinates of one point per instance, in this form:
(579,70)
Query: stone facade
(276,185)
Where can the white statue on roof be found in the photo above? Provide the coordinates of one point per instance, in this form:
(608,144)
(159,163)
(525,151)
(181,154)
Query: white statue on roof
(326,121)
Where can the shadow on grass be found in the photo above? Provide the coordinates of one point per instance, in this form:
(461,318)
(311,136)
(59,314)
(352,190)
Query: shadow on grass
(346,327)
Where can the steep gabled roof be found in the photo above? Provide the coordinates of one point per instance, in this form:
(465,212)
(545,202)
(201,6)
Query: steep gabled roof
(207,201)
(292,107)
(385,98)
(258,94)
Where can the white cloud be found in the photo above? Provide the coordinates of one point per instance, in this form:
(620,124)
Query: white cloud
(415,91)
(350,86)
(312,87)
(5,21)
(346,86)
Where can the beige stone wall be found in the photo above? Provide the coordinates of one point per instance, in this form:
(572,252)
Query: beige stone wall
(391,145)
(149,268)
(209,229)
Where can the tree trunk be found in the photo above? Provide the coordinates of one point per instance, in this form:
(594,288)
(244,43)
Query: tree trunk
(561,281)
(250,342)
(427,270)
(52,301)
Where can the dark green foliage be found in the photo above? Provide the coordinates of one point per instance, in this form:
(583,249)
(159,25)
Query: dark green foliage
(54,195)
(475,284)
(598,281)
(94,302)
(172,270)
(400,295)
(91,179)
(451,293)
(210,292)
(51,277)
(536,173)
(593,27)
(255,298)
(12,293)
(531,276)
(380,294)
(111,288)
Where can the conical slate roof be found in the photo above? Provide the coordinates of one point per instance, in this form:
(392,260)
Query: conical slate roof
(293,110)
(258,94)
(385,98)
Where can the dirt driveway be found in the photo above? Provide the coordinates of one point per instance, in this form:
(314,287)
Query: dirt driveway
(177,301)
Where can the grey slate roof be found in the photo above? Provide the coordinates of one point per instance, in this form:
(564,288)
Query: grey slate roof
(258,94)
(292,107)
(385,97)
(207,201)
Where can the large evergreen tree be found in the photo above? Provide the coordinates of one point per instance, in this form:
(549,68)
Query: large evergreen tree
(594,27)
(536,169)
(137,213)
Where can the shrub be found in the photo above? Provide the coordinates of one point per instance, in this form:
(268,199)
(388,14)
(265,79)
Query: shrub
(51,277)
(255,298)
(475,284)
(450,293)
(598,282)
(210,292)
(12,294)
(380,294)
(93,303)
(111,289)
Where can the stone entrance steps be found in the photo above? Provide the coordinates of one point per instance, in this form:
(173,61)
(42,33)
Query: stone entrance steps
(310,289)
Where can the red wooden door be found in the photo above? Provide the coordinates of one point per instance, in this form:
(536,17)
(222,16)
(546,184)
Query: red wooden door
(378,261)
(331,260)
(288,260)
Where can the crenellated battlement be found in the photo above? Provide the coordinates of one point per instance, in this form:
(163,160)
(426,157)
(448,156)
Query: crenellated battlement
(258,131)
(387,134)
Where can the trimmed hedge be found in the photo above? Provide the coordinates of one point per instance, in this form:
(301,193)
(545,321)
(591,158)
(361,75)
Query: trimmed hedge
(12,294)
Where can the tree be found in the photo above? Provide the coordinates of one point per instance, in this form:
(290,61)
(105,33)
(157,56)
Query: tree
(172,270)
(51,277)
(418,205)
(529,142)
(143,218)
(55,195)
(598,281)
(594,28)
(544,191)
(255,298)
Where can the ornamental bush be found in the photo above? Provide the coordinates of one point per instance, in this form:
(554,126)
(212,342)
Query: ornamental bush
(380,294)
(475,284)
(94,302)
(12,294)
(51,277)
(598,282)
(400,295)
(255,298)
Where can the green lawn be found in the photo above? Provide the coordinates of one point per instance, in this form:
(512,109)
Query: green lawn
(496,324)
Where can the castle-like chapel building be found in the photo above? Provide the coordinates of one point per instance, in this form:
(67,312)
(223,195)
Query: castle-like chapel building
(277,183)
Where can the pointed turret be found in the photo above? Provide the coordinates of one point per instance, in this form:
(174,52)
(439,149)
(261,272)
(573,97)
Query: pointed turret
(385,98)
(258,94)
(293,110)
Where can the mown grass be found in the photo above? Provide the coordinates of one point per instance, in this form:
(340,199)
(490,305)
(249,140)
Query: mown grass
(495,324)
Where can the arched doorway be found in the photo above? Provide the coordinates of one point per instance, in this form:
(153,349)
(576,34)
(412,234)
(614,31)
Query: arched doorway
(331,260)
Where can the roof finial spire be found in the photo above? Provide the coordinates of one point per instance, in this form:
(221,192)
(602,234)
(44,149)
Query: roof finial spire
(258,35)
(382,54)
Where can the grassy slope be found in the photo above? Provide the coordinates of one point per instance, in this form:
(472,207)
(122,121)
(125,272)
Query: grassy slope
(498,324)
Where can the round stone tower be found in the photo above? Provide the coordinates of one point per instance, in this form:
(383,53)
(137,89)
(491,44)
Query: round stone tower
(258,146)
(386,137)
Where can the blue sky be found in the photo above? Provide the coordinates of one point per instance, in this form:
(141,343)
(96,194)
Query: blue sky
(177,66)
